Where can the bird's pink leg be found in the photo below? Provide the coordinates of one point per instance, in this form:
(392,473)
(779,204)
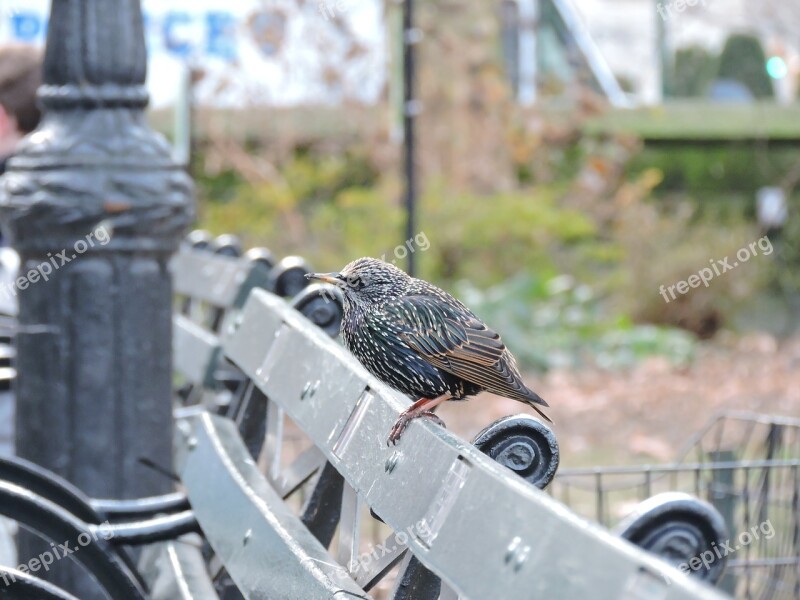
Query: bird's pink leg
(420,408)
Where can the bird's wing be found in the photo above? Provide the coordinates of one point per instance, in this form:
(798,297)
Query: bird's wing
(454,340)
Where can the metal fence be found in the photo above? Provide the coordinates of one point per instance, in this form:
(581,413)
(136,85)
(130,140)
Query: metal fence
(746,465)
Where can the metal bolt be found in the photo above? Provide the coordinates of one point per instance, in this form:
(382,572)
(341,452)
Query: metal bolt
(236,323)
(512,548)
(185,428)
(247,536)
(517,554)
(309,390)
(192,443)
(392,461)
(522,556)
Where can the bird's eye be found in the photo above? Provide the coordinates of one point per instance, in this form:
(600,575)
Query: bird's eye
(355,282)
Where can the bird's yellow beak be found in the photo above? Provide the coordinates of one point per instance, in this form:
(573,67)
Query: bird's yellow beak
(334,278)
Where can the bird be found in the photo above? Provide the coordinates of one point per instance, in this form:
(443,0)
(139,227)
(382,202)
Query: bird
(421,341)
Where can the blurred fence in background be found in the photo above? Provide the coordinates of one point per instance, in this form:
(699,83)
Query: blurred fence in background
(748,467)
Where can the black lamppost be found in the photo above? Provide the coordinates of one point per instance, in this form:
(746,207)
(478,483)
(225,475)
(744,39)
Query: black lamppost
(411,108)
(95,207)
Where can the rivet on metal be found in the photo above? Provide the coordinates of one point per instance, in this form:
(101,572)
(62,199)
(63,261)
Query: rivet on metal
(236,323)
(247,536)
(517,553)
(309,390)
(192,443)
(522,556)
(512,548)
(392,461)
(185,428)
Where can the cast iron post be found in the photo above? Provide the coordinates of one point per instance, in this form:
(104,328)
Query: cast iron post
(411,108)
(94,373)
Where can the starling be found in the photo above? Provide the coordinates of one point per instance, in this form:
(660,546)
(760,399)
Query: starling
(421,341)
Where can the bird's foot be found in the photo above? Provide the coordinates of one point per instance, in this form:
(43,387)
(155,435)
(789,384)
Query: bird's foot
(403,421)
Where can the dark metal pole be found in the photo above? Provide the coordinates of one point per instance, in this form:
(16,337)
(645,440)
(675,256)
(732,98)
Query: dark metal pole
(411,108)
(95,207)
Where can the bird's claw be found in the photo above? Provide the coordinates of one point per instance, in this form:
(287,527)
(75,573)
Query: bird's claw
(433,417)
(404,419)
(397,430)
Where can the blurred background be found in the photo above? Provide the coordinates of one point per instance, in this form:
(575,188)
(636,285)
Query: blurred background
(570,158)
(560,166)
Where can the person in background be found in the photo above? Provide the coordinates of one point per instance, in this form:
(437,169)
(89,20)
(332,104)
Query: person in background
(20,77)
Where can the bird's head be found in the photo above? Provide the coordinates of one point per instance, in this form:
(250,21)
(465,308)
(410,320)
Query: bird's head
(367,281)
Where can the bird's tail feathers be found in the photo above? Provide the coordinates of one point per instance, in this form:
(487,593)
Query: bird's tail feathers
(533,399)
(541,412)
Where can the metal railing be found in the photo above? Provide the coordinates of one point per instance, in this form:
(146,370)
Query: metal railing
(744,464)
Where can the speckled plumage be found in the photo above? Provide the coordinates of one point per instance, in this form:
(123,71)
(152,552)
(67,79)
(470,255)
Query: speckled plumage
(420,340)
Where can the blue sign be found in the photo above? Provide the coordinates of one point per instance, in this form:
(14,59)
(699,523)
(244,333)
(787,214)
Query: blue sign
(28,26)
(174,30)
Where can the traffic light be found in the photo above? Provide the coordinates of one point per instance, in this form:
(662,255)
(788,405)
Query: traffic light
(776,67)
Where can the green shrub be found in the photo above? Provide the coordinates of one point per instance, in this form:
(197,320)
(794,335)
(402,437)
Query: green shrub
(694,71)
(743,60)
(731,172)
(622,230)
(558,322)
(666,244)
(488,239)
